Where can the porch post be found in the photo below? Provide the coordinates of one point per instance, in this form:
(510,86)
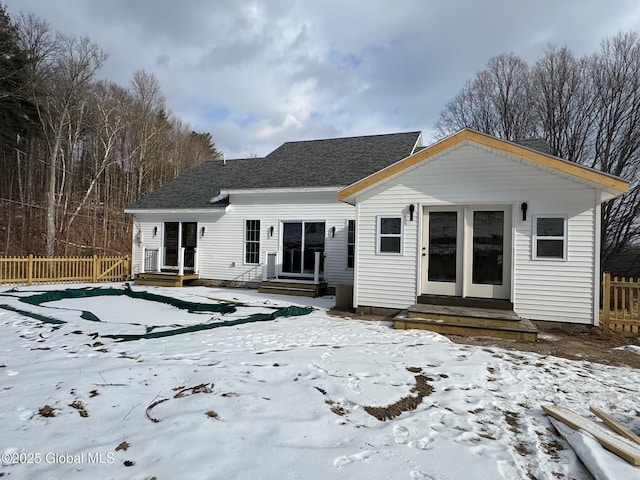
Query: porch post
(196,267)
(265,266)
(181,261)
(316,268)
(144,257)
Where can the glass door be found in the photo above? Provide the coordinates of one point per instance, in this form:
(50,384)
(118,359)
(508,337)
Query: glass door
(171,236)
(292,247)
(442,251)
(489,252)
(189,242)
(300,242)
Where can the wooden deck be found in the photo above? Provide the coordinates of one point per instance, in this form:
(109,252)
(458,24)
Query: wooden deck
(467,321)
(164,279)
(300,288)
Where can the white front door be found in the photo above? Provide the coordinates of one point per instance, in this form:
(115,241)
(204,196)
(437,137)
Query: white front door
(466,251)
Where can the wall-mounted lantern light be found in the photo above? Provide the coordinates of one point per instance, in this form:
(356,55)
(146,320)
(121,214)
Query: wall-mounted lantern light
(202,230)
(412,209)
(523,207)
(155,231)
(271,231)
(333,232)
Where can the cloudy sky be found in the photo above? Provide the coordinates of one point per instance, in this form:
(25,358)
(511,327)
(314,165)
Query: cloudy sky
(257,73)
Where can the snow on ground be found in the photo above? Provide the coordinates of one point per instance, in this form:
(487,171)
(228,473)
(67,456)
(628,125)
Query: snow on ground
(282,399)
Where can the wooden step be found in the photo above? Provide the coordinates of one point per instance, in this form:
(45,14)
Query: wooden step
(467,321)
(164,279)
(299,292)
(471,302)
(291,287)
(485,317)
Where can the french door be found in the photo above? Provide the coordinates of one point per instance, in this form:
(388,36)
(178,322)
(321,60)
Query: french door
(300,242)
(180,235)
(466,251)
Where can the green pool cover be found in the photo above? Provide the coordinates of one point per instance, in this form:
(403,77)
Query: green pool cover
(191,307)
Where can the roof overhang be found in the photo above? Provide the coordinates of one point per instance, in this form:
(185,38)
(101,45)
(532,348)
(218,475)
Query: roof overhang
(610,185)
(211,209)
(245,191)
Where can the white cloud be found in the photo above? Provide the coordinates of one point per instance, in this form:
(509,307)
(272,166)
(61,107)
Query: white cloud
(255,74)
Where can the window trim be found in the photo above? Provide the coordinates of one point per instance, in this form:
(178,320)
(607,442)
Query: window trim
(535,237)
(246,241)
(351,244)
(380,235)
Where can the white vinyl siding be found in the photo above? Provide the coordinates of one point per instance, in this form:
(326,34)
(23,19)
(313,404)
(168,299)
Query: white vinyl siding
(471,175)
(221,251)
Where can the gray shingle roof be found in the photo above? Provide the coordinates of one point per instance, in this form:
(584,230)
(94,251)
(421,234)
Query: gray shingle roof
(313,163)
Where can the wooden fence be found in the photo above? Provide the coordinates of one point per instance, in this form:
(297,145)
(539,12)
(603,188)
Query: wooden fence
(30,270)
(619,311)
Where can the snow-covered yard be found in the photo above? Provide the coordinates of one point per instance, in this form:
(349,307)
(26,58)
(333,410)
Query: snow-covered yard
(307,397)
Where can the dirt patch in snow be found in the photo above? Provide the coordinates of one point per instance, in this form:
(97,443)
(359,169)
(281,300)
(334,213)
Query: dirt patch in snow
(572,342)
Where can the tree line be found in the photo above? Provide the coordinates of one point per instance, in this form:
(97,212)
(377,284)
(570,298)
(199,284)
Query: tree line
(587,108)
(74,149)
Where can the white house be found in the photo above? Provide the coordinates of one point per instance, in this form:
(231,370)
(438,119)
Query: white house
(475,216)
(239,221)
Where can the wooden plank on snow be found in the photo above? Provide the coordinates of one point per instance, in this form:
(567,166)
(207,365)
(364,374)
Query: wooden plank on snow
(613,442)
(615,425)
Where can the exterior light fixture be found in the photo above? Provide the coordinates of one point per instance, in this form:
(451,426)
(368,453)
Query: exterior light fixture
(202,230)
(333,232)
(271,231)
(155,231)
(523,207)
(412,209)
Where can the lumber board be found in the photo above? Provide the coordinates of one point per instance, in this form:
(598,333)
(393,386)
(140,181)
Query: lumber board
(601,463)
(623,447)
(614,425)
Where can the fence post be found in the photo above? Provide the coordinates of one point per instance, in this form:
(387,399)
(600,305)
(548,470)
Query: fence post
(126,273)
(606,301)
(30,269)
(94,273)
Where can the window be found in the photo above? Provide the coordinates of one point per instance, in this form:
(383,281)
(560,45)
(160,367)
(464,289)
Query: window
(390,235)
(252,241)
(550,237)
(351,243)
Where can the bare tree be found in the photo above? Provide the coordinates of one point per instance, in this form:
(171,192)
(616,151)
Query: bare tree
(73,68)
(587,109)
(497,101)
(564,102)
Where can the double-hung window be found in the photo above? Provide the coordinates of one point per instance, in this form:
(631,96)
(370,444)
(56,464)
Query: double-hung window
(390,235)
(351,243)
(252,242)
(549,240)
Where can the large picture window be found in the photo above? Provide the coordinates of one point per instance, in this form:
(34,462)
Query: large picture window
(351,243)
(550,237)
(252,242)
(390,235)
